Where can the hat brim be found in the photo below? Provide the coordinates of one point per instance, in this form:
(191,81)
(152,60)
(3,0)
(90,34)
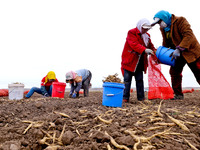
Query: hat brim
(146,26)
(156,20)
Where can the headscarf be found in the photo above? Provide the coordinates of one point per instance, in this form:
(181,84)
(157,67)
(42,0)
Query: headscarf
(50,75)
(166,17)
(70,75)
(145,36)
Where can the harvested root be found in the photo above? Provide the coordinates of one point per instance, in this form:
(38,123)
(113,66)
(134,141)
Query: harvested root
(77,123)
(108,147)
(142,139)
(52,125)
(154,128)
(47,134)
(147,147)
(179,123)
(43,141)
(109,112)
(115,143)
(78,132)
(112,78)
(192,146)
(53,138)
(32,124)
(153,119)
(158,111)
(61,135)
(190,123)
(62,114)
(52,147)
(105,121)
(164,124)
(136,144)
(139,122)
(82,111)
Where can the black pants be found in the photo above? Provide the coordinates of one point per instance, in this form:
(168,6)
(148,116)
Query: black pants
(139,84)
(176,73)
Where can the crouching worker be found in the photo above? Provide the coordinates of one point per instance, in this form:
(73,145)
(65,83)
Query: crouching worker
(46,86)
(79,79)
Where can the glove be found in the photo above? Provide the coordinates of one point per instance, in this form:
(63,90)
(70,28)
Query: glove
(175,54)
(149,51)
(74,95)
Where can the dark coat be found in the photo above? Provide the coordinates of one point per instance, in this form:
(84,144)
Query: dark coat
(133,49)
(183,36)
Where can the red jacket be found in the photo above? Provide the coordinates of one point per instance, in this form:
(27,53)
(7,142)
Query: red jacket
(48,84)
(133,49)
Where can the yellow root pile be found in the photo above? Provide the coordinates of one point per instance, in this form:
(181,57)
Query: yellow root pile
(112,78)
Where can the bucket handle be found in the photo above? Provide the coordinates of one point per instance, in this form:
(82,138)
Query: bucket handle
(12,90)
(114,94)
(60,91)
(110,94)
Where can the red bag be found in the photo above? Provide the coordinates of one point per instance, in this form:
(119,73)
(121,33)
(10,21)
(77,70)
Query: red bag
(3,92)
(159,88)
(188,91)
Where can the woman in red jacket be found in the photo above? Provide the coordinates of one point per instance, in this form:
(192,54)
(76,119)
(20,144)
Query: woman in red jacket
(134,58)
(46,86)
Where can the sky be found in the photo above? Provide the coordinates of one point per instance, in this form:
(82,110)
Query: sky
(38,36)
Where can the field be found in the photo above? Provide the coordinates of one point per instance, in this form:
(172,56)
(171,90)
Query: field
(85,124)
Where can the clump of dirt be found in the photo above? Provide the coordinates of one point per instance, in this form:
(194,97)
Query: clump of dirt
(85,124)
(112,78)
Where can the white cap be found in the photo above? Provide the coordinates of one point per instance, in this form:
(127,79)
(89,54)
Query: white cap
(156,20)
(145,26)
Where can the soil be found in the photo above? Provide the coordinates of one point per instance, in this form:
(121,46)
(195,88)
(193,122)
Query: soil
(85,124)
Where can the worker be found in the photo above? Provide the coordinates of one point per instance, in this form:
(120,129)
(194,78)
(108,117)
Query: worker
(46,86)
(134,58)
(79,79)
(178,35)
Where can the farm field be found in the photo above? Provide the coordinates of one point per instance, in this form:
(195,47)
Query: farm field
(85,124)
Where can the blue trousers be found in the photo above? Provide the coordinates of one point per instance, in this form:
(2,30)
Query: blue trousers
(41,91)
(139,84)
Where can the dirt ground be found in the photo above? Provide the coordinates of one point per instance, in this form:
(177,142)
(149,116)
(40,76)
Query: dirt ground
(85,124)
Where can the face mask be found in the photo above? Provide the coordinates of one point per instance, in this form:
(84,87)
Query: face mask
(163,24)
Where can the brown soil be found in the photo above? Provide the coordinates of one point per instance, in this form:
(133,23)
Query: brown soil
(85,124)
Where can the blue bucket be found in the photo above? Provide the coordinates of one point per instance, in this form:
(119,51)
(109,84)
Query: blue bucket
(112,94)
(163,53)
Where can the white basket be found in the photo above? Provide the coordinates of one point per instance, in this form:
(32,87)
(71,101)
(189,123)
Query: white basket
(16,91)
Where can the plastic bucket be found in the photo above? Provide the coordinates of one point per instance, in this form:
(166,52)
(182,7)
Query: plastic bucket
(58,89)
(16,91)
(112,94)
(163,54)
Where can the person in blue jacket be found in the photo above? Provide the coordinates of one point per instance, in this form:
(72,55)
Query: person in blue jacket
(79,79)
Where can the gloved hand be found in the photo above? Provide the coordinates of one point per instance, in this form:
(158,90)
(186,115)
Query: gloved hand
(175,54)
(149,51)
(74,95)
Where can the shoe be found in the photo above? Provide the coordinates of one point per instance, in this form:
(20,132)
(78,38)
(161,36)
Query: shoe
(46,95)
(141,99)
(25,97)
(125,100)
(178,97)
